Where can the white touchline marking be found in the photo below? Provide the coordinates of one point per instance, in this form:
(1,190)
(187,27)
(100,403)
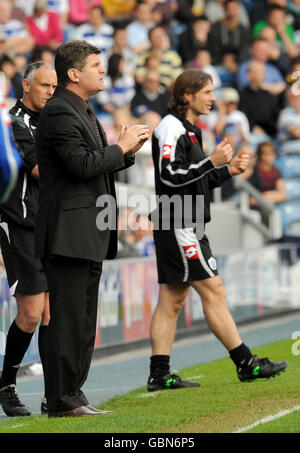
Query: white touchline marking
(148,395)
(190,378)
(267,419)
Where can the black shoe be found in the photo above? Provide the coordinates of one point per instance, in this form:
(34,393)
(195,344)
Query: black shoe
(168,382)
(10,402)
(260,368)
(44,407)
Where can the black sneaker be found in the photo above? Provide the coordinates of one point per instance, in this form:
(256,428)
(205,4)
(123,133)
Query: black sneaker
(10,402)
(168,382)
(260,368)
(44,407)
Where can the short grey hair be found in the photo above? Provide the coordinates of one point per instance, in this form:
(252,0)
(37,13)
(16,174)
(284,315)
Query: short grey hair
(31,69)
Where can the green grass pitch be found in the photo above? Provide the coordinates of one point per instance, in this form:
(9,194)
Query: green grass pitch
(222,404)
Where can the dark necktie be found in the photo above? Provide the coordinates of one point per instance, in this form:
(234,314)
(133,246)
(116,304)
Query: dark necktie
(95,124)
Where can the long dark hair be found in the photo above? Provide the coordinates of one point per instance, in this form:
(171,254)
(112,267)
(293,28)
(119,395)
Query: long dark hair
(189,81)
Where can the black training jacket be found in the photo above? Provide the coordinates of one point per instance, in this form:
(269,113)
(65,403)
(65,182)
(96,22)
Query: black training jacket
(181,166)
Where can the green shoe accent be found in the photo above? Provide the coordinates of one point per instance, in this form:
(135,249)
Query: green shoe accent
(169,382)
(255,372)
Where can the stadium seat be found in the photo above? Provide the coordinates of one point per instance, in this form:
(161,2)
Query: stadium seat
(290,216)
(289,165)
(292,187)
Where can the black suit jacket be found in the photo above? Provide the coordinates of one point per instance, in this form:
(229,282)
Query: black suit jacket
(75,169)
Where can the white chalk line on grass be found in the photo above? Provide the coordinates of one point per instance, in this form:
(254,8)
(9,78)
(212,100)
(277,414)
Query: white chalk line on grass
(268,418)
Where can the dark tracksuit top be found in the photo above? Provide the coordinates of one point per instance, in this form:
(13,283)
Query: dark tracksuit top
(181,166)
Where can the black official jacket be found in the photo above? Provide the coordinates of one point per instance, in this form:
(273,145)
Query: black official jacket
(75,169)
(181,166)
(22,205)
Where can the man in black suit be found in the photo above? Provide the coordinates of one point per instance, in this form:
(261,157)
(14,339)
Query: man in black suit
(76,192)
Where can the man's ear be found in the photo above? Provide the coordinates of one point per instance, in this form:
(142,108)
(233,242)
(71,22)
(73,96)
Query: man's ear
(26,85)
(73,75)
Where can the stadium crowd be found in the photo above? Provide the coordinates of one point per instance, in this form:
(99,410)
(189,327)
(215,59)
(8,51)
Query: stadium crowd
(251,49)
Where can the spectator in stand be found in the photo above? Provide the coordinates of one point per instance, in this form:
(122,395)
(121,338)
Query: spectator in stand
(138,29)
(228,116)
(273,80)
(185,11)
(45,26)
(229,192)
(24,8)
(150,96)
(259,9)
(277,54)
(18,38)
(18,9)
(13,77)
(259,105)
(142,173)
(152,61)
(163,13)
(170,65)
(289,123)
(96,31)
(285,33)
(202,61)
(120,46)
(143,236)
(118,11)
(271,182)
(228,38)
(193,38)
(79,10)
(42,53)
(119,86)
(126,240)
(135,235)
(20,61)
(60,7)
(215,11)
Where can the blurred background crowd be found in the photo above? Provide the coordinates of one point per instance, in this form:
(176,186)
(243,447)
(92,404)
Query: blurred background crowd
(251,48)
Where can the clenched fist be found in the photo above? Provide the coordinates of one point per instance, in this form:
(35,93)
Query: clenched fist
(222,154)
(239,163)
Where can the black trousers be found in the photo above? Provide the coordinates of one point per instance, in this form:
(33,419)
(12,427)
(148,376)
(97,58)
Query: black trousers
(73,290)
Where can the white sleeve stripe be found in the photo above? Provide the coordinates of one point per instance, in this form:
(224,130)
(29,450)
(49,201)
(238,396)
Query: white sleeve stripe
(168,183)
(182,171)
